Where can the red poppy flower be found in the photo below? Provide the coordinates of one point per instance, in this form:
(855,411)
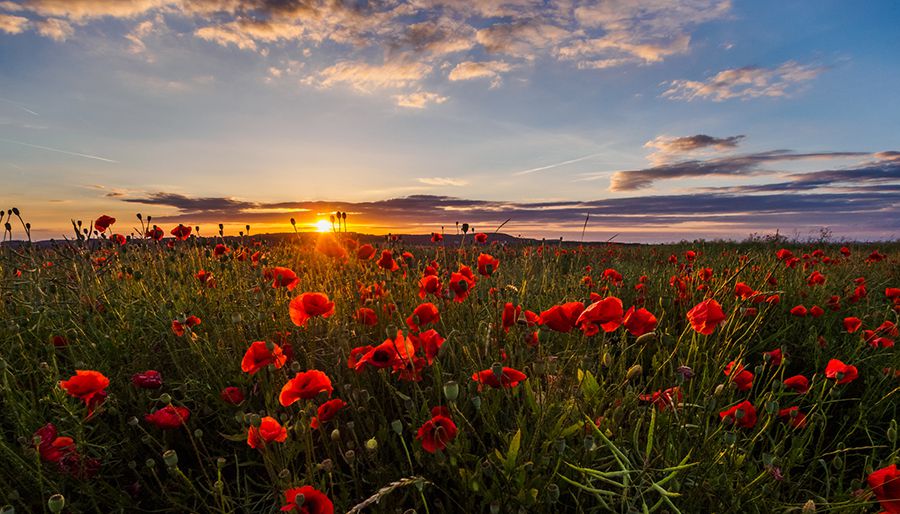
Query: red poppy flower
(259,356)
(366,316)
(304,386)
(430,342)
(743,291)
(742,415)
(793,416)
(424,314)
(639,322)
(841,372)
(387,261)
(784,254)
(481,238)
(314,502)
(59,341)
(706,316)
(816,311)
(462,283)
(178,327)
(436,237)
(232,395)
(510,315)
(169,417)
(742,378)
(86,385)
(797,383)
(150,379)
(119,239)
(562,318)
(391,353)
(815,279)
(663,400)
(50,447)
(284,277)
(885,483)
(155,233)
(310,305)
(852,324)
(606,313)
(799,311)
(365,252)
(436,433)
(326,412)
(429,284)
(892,292)
(268,431)
(103,222)
(508,378)
(181,232)
(487,265)
(774,357)
(206,278)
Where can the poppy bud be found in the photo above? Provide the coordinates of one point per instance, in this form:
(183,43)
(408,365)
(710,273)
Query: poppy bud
(719,389)
(165,398)
(198,433)
(552,493)
(335,435)
(170,458)
(465,228)
(634,372)
(606,361)
(295,367)
(56,503)
(560,446)
(397,426)
(133,421)
(892,431)
(772,407)
(451,391)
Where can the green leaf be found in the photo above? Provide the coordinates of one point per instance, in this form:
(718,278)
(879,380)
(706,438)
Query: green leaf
(513,453)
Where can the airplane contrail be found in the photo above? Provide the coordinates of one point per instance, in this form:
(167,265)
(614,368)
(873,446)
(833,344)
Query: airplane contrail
(564,163)
(57,150)
(20,106)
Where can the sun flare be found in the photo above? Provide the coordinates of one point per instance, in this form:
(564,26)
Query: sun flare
(323,226)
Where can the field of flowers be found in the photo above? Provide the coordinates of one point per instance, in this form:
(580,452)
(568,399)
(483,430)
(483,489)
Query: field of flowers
(165,372)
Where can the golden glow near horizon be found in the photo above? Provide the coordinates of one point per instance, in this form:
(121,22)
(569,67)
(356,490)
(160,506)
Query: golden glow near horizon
(323,226)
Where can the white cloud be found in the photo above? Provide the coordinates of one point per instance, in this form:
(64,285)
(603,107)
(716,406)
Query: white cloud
(419,100)
(13,24)
(746,82)
(443,181)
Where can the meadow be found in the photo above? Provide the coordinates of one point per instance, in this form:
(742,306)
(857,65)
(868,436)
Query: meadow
(165,372)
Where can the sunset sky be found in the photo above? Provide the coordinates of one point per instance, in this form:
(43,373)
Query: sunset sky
(663,119)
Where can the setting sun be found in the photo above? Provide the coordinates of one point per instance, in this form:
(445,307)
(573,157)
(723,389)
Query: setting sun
(323,226)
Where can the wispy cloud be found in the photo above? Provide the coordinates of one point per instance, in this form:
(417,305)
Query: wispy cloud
(728,166)
(57,150)
(747,82)
(419,99)
(443,181)
(556,165)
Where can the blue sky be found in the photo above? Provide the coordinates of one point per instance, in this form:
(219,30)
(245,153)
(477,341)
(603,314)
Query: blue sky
(662,119)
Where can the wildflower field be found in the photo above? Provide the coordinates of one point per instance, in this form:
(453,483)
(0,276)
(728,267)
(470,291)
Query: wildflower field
(165,372)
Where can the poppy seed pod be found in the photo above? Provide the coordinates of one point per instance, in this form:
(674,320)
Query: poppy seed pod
(809,507)
(397,426)
(56,503)
(451,391)
(372,445)
(170,458)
